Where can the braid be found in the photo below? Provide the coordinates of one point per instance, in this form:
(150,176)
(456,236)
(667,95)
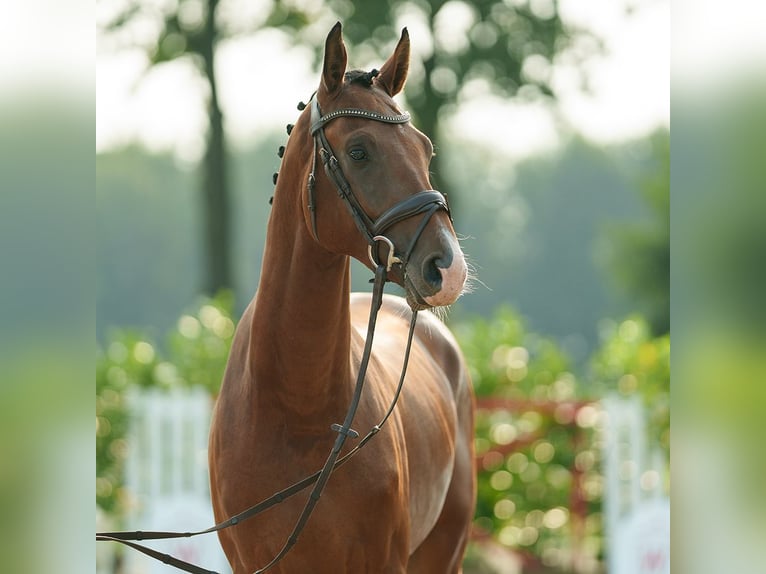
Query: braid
(361,77)
(370,75)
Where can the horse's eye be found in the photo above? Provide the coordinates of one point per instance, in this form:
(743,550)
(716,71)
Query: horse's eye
(357,153)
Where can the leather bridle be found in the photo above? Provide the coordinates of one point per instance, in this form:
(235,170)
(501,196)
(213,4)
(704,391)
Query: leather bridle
(426,202)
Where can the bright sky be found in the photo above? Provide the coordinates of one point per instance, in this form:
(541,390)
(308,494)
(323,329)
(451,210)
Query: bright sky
(36,51)
(629,89)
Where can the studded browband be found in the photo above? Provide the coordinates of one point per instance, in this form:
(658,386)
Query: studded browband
(318,121)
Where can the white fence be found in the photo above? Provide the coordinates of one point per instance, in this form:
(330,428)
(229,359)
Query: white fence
(167,478)
(636,508)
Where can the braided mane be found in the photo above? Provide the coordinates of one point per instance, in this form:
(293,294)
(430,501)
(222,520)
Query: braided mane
(361,77)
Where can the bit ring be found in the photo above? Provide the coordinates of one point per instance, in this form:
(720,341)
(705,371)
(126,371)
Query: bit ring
(392,258)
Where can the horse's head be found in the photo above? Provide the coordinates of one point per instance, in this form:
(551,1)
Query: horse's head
(376,163)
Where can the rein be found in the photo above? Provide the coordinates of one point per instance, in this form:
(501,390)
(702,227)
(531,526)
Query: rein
(320,477)
(426,202)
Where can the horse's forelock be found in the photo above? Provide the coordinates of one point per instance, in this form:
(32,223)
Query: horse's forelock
(361,77)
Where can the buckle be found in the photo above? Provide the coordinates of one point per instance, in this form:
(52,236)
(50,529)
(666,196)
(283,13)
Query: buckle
(392,258)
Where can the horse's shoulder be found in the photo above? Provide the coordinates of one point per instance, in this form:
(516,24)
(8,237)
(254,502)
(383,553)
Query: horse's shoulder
(432,333)
(394,311)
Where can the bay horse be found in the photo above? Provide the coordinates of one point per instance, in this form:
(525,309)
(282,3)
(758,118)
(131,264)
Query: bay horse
(404,503)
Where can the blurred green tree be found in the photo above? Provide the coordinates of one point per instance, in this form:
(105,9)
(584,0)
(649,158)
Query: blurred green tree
(722,205)
(188,29)
(192,29)
(539,481)
(498,47)
(539,433)
(631,361)
(494,47)
(640,252)
(198,348)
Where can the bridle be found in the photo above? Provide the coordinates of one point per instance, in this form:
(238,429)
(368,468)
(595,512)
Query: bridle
(426,202)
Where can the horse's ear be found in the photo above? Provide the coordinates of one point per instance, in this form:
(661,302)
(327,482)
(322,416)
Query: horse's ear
(393,74)
(334,61)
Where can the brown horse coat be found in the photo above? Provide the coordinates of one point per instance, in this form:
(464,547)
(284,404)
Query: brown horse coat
(405,502)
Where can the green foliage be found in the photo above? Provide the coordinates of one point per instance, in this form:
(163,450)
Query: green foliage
(199,347)
(536,236)
(488,39)
(538,477)
(501,48)
(197,350)
(538,434)
(506,361)
(632,362)
(640,253)
(720,204)
(498,47)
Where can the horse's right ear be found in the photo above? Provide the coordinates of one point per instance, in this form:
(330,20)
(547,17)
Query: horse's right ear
(335,60)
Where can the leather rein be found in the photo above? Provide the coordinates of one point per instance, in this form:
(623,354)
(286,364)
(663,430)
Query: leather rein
(426,202)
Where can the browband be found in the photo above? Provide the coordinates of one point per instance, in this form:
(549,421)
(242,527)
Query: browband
(318,121)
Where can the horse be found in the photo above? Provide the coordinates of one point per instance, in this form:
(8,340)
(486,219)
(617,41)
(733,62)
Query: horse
(405,503)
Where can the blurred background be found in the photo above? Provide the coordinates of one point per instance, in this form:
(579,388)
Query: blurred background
(550,120)
(548,105)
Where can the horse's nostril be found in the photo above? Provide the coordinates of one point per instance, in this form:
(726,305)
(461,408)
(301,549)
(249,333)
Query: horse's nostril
(432,273)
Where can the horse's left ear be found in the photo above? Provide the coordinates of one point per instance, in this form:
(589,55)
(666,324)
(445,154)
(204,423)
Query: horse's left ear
(393,74)
(334,61)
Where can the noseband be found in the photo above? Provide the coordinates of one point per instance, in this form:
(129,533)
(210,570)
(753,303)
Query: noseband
(427,202)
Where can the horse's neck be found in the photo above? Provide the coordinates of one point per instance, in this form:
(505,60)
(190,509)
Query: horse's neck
(301,322)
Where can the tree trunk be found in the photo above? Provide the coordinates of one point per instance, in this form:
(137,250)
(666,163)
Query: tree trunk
(215,189)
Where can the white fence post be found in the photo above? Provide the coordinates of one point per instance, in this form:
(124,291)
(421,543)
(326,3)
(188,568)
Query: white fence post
(167,477)
(637,517)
